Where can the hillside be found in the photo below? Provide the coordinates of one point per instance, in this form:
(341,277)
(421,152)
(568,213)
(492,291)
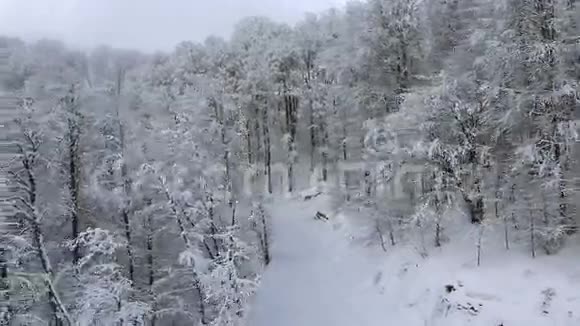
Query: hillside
(322,274)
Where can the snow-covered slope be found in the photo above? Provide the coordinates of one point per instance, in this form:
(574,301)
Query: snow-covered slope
(509,288)
(318,277)
(315,278)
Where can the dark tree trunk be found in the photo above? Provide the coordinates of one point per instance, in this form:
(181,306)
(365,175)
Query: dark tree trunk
(344,145)
(74,189)
(267,149)
(125,210)
(128,237)
(308,62)
(213,228)
(249,142)
(151,265)
(59,310)
(265,236)
(125,182)
(259,106)
(312,130)
(291,108)
(533,234)
(150,254)
(475,208)
(197,285)
(438,234)
(368,183)
(324,152)
(73,138)
(475,204)
(234,207)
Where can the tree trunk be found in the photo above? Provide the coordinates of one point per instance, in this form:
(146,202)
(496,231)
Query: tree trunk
(249,142)
(265,236)
(496,210)
(512,200)
(213,230)
(234,206)
(219,116)
(125,182)
(438,212)
(226,157)
(61,315)
(291,107)
(438,233)
(324,152)
(381,236)
(533,234)
(475,204)
(290,177)
(308,62)
(151,265)
(73,139)
(344,136)
(257,125)
(368,183)
(312,130)
(150,254)
(190,246)
(422,237)
(127,220)
(267,149)
(74,176)
(569,222)
(128,237)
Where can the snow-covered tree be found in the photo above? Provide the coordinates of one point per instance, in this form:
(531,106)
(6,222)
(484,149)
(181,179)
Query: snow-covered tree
(103,291)
(227,287)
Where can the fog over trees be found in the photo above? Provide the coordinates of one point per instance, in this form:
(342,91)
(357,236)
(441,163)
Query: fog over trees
(136,184)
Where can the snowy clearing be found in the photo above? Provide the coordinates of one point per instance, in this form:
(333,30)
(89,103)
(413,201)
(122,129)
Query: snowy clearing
(315,277)
(318,277)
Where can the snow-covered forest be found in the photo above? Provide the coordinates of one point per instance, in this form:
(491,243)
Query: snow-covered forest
(137,185)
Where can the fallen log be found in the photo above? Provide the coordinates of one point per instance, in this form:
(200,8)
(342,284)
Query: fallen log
(320,216)
(308,197)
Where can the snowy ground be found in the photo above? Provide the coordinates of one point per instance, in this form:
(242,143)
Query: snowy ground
(315,278)
(320,278)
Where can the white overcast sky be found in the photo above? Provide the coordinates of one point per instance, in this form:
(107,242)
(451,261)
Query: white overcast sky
(142,24)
